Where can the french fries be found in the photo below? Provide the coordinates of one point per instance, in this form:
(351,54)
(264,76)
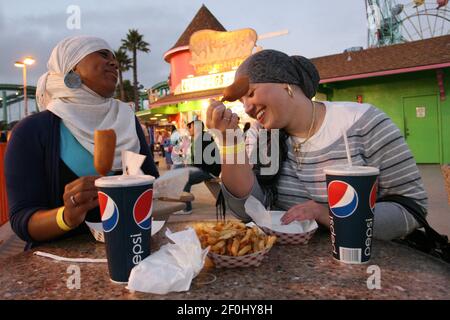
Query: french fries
(233,238)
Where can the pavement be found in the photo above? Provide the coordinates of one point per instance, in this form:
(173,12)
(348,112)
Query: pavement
(438,200)
(204,208)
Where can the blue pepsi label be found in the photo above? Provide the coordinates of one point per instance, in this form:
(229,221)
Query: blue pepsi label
(351,201)
(142,209)
(126,214)
(342,199)
(108,211)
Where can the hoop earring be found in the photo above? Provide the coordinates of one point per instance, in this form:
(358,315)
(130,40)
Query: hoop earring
(289,91)
(72,80)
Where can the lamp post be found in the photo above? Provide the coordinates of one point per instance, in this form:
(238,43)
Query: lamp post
(23,64)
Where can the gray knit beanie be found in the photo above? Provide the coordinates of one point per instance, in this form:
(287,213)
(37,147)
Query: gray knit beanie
(271,66)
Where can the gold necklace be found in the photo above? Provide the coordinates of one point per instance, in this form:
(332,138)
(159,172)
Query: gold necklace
(297,146)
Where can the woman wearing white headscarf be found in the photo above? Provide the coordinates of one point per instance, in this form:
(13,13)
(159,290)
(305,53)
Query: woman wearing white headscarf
(49,161)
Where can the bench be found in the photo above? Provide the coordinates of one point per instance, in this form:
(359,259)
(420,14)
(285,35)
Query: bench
(163,209)
(185,197)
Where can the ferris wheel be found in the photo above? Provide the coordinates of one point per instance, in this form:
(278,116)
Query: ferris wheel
(397,21)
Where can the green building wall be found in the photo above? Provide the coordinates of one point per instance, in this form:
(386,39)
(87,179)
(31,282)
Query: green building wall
(387,94)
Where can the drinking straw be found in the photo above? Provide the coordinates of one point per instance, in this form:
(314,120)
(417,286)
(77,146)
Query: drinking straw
(347,148)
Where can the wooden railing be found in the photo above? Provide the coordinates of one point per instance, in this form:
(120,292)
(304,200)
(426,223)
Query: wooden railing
(3,198)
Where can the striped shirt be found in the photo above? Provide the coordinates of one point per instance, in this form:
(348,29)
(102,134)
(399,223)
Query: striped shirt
(374,140)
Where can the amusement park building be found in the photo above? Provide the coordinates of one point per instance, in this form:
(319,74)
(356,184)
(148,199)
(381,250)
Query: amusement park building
(408,81)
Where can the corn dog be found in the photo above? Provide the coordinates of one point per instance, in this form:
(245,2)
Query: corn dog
(236,90)
(104,149)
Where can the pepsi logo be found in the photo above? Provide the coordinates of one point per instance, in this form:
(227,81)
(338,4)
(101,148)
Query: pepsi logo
(342,199)
(142,210)
(373,196)
(108,212)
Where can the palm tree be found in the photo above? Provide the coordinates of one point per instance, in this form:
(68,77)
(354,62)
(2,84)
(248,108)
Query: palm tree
(124,64)
(128,92)
(134,43)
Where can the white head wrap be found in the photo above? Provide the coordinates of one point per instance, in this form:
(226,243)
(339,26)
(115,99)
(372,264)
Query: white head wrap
(82,110)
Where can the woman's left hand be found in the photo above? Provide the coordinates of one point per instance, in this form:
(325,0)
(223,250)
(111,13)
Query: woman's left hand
(309,210)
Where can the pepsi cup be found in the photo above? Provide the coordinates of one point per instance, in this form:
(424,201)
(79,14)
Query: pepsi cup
(352,193)
(126,210)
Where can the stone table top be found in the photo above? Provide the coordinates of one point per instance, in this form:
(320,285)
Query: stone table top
(288,272)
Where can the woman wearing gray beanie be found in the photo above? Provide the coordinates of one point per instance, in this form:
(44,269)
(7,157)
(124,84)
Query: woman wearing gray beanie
(279,95)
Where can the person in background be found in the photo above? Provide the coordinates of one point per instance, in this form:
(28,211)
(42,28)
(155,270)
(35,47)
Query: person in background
(200,169)
(49,163)
(246,126)
(180,145)
(159,141)
(167,150)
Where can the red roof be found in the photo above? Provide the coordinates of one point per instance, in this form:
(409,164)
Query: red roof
(429,53)
(204,19)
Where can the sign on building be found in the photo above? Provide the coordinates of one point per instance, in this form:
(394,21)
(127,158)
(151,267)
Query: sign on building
(220,51)
(420,112)
(208,82)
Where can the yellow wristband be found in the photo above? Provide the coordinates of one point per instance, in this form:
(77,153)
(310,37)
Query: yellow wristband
(233,149)
(60,220)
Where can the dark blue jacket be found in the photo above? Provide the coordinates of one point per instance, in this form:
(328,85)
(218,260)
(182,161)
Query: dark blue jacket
(32,168)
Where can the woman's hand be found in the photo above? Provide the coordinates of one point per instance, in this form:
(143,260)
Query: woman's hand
(220,117)
(309,210)
(80,196)
(237,177)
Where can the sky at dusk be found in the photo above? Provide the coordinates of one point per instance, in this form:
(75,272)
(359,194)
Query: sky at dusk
(316,28)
